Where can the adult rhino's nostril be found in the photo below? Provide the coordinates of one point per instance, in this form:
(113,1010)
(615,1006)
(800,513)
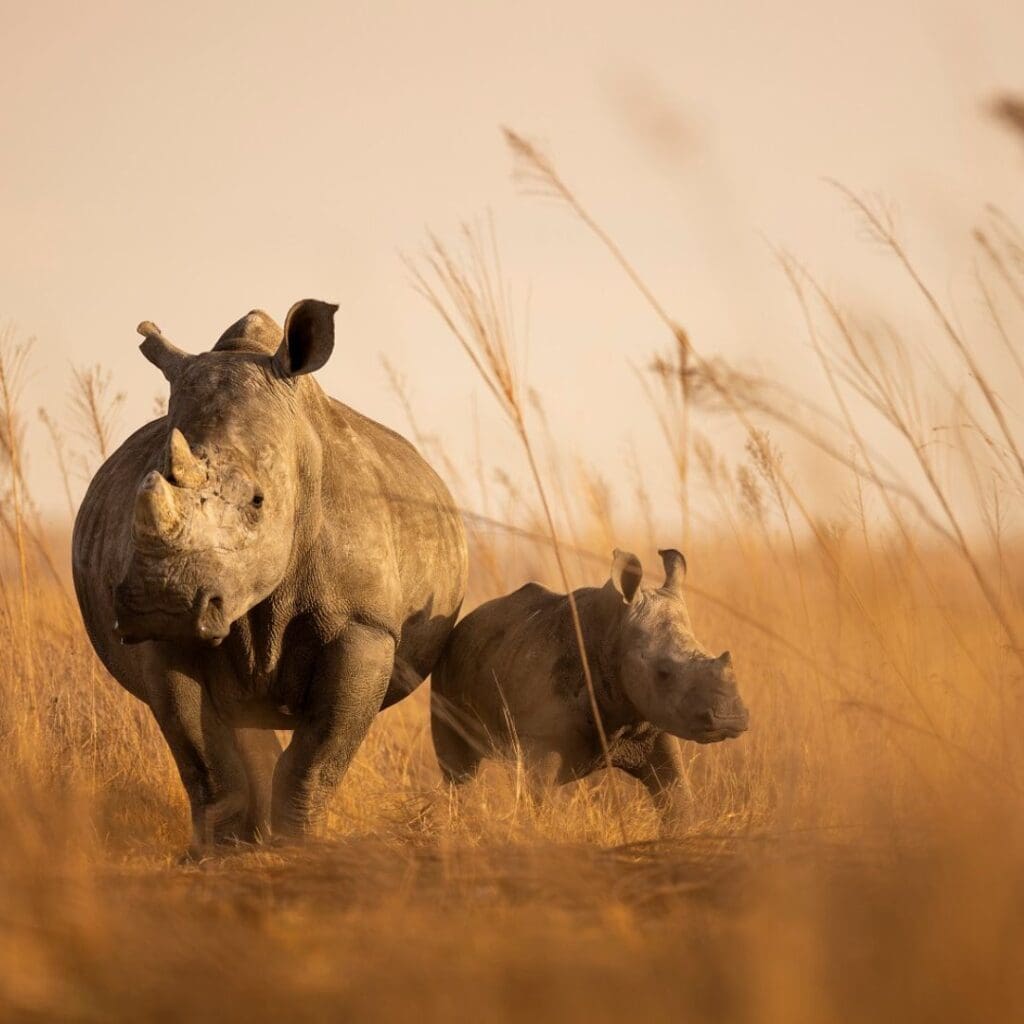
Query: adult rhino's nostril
(707,719)
(211,620)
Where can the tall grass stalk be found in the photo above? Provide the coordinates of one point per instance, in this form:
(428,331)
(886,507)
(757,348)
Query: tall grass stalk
(57,442)
(13,359)
(470,298)
(97,408)
(539,176)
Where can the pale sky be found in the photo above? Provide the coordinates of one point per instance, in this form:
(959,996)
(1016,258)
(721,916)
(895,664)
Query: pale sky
(187,162)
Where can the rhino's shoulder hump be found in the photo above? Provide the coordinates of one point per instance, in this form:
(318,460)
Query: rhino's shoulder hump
(495,632)
(516,616)
(534,592)
(529,600)
(255,332)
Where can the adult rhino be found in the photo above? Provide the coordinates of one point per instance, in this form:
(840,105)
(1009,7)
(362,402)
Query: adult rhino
(264,557)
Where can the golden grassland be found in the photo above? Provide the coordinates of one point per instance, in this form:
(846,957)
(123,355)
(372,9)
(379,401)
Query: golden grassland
(845,859)
(857,856)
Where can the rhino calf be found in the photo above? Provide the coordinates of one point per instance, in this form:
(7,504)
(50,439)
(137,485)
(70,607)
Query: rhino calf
(510,682)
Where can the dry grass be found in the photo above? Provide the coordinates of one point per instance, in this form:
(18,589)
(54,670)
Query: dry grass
(842,860)
(859,855)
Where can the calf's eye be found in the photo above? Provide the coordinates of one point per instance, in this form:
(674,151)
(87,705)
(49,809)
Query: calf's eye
(257,500)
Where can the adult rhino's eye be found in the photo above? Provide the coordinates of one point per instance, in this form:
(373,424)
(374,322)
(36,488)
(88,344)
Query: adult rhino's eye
(257,500)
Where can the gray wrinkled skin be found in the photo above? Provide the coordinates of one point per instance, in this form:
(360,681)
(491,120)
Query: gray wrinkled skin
(510,683)
(263,558)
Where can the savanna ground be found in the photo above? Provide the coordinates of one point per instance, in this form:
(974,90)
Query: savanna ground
(858,855)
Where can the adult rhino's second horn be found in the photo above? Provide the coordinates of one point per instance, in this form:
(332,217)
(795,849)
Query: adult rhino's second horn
(186,469)
(157,516)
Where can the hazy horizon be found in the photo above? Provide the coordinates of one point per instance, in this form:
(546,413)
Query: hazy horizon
(187,164)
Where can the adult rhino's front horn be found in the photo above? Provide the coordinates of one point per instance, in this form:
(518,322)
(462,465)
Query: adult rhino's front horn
(157,516)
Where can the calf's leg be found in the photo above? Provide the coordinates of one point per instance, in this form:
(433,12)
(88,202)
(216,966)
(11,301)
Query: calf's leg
(544,769)
(664,776)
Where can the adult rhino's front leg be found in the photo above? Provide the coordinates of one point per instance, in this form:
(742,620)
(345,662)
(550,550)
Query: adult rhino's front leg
(204,749)
(346,692)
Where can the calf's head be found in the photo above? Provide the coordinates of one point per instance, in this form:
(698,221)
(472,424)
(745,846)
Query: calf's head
(668,677)
(215,520)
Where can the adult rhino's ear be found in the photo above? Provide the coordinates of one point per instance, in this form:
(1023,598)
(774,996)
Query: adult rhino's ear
(308,337)
(627,572)
(160,352)
(675,570)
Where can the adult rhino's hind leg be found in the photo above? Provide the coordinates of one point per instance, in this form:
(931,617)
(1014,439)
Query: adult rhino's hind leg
(259,750)
(204,749)
(348,686)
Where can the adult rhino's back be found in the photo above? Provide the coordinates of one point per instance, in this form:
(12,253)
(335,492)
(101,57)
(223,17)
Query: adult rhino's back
(428,530)
(424,535)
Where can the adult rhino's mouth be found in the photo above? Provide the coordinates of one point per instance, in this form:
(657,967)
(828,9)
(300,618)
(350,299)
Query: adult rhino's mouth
(136,622)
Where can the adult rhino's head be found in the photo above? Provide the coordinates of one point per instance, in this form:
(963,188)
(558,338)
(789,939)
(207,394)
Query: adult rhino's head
(665,673)
(214,522)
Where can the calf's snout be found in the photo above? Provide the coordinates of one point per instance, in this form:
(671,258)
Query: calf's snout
(729,711)
(726,718)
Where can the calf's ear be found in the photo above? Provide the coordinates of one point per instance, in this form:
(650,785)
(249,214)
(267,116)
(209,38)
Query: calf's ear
(308,337)
(627,572)
(675,570)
